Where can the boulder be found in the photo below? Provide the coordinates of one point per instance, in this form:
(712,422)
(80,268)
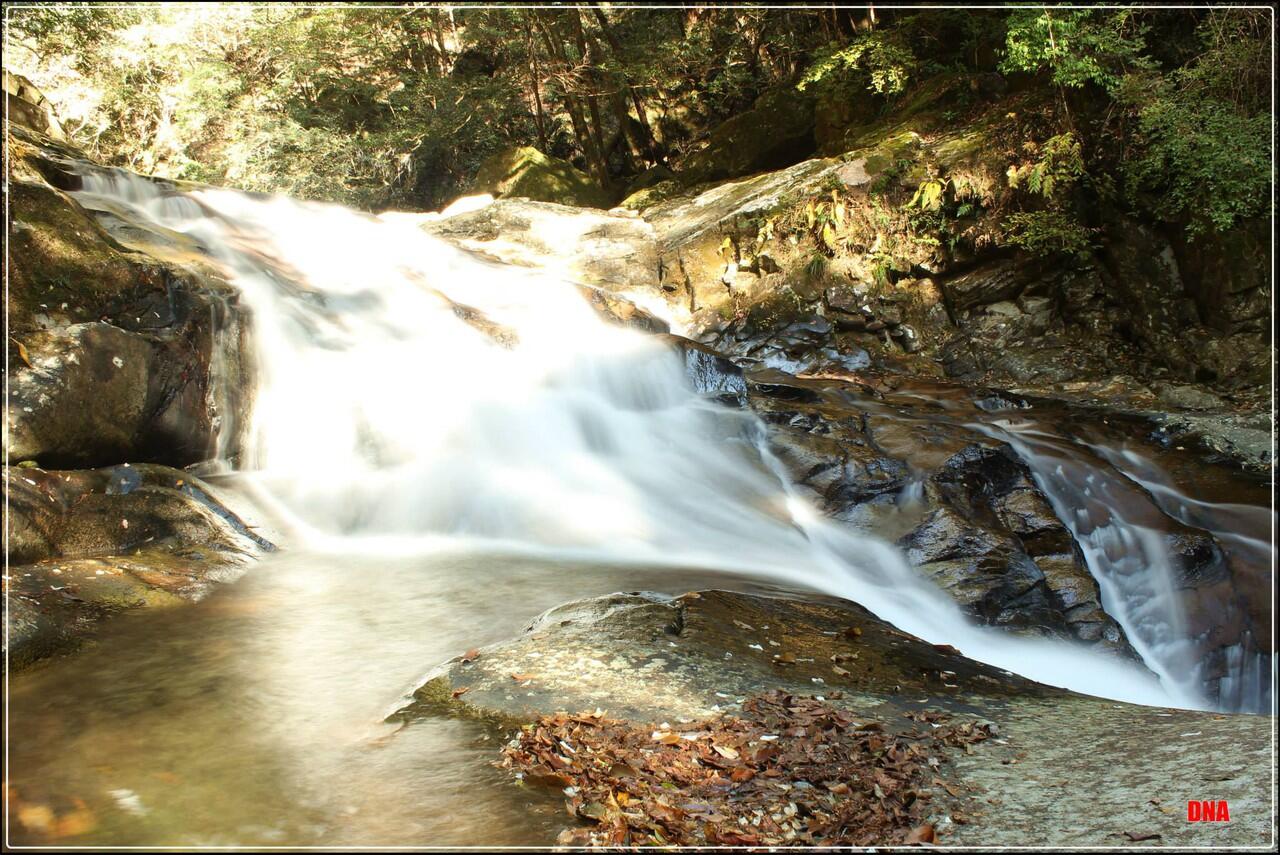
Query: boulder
(701,268)
(614,252)
(775,133)
(991,283)
(683,665)
(526,173)
(709,373)
(119,352)
(86,545)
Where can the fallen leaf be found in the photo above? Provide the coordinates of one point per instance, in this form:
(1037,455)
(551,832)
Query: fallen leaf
(522,678)
(922,834)
(22,352)
(457,693)
(35,817)
(75,822)
(471,655)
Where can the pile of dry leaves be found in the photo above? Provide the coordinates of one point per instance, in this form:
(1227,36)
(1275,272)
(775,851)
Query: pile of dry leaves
(789,770)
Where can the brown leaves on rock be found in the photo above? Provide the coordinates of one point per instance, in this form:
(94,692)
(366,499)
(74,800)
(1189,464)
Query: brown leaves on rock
(790,770)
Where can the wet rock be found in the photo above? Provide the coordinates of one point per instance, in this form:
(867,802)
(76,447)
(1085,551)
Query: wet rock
(86,545)
(998,547)
(649,658)
(709,372)
(67,514)
(1242,439)
(985,572)
(117,354)
(830,456)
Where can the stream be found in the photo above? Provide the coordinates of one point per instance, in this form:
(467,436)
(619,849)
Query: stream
(438,485)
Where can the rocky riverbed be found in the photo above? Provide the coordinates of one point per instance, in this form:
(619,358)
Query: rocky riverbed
(1006,424)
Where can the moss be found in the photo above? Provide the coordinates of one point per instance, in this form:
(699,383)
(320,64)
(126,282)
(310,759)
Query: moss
(650,196)
(436,698)
(528,173)
(58,254)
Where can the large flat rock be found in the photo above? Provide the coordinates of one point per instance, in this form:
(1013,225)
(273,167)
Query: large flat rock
(1064,769)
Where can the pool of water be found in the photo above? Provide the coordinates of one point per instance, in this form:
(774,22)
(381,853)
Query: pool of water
(255,717)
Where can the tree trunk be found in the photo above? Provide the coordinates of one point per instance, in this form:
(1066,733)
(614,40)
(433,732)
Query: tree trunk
(590,151)
(649,143)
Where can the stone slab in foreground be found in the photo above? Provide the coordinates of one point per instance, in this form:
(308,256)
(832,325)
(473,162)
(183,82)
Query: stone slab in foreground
(1066,769)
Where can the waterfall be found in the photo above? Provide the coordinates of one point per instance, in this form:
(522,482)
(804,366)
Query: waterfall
(389,419)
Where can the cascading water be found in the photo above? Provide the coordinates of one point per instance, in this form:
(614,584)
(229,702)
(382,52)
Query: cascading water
(385,421)
(1119,513)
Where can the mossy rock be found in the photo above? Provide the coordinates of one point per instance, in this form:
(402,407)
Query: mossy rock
(652,176)
(525,172)
(647,197)
(775,133)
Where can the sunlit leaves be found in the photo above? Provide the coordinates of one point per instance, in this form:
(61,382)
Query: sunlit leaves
(884,64)
(1076,46)
(1059,166)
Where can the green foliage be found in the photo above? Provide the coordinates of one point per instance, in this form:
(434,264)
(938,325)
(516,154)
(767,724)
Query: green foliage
(875,60)
(1201,160)
(68,27)
(1202,144)
(1048,232)
(1076,46)
(1060,166)
(928,196)
(1162,110)
(815,268)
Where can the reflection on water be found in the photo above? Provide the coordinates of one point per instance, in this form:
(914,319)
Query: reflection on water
(255,717)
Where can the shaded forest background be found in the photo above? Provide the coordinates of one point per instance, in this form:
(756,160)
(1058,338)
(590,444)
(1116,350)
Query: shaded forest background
(1164,111)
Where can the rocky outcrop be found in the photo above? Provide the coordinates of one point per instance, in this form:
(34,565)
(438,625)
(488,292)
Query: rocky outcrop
(703,267)
(25,105)
(526,173)
(121,351)
(659,662)
(126,344)
(86,545)
(613,251)
(963,507)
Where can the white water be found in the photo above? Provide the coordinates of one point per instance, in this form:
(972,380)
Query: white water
(384,423)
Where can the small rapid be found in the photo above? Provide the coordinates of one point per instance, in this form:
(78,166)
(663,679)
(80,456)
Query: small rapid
(386,422)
